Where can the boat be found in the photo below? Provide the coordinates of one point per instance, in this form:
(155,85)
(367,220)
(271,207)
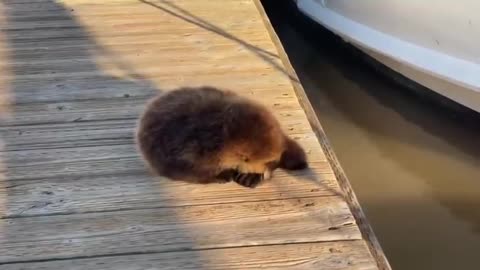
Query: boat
(432,44)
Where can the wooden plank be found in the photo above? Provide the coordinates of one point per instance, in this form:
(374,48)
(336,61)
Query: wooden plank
(138,15)
(194,37)
(135,22)
(282,105)
(155,72)
(23,16)
(43,157)
(121,109)
(36,53)
(340,255)
(161,39)
(25,4)
(191,35)
(99,178)
(162,13)
(77,133)
(74,134)
(174,229)
(71,87)
(94,166)
(150,68)
(149,59)
(367,231)
(114,192)
(102,166)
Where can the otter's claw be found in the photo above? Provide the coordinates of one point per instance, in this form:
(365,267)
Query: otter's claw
(250,180)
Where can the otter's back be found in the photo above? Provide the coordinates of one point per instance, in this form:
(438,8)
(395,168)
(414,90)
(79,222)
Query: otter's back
(184,123)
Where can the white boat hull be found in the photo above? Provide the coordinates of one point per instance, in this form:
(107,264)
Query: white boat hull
(434,44)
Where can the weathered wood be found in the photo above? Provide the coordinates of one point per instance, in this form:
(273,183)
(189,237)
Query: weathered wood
(81,87)
(60,54)
(109,166)
(180,228)
(129,108)
(74,134)
(66,180)
(46,19)
(52,61)
(78,133)
(73,190)
(47,156)
(83,43)
(130,27)
(150,69)
(84,158)
(340,255)
(94,193)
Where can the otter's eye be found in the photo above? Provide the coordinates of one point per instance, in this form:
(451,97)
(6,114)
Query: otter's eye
(245,159)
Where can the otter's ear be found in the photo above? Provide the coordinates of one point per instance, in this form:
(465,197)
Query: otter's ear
(293,158)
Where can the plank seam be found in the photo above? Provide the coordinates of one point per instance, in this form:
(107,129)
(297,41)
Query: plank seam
(172,251)
(17,216)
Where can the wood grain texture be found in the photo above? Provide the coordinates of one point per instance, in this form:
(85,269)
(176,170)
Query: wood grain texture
(136,191)
(74,191)
(341,255)
(78,133)
(180,228)
(113,177)
(128,108)
(88,87)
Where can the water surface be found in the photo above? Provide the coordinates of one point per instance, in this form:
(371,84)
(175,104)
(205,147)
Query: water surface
(415,169)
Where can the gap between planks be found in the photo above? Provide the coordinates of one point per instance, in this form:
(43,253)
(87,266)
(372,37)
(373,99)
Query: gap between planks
(338,255)
(321,219)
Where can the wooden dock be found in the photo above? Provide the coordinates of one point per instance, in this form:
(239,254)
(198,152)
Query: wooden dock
(74,194)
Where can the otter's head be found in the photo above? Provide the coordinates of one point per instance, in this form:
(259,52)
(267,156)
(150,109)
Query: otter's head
(255,142)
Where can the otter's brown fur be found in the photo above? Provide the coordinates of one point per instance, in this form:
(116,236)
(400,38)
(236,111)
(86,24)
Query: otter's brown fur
(206,135)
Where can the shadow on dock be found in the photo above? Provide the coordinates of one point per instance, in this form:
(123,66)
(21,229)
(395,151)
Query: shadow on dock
(43,71)
(182,14)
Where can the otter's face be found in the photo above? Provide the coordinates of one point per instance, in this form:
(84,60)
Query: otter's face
(260,156)
(256,141)
(264,166)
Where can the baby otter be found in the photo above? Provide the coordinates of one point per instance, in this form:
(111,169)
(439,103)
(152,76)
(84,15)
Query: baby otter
(206,135)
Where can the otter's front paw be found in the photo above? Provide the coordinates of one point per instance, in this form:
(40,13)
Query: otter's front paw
(226,176)
(250,180)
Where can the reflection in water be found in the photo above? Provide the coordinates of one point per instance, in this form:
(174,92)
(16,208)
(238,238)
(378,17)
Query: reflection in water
(414,169)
